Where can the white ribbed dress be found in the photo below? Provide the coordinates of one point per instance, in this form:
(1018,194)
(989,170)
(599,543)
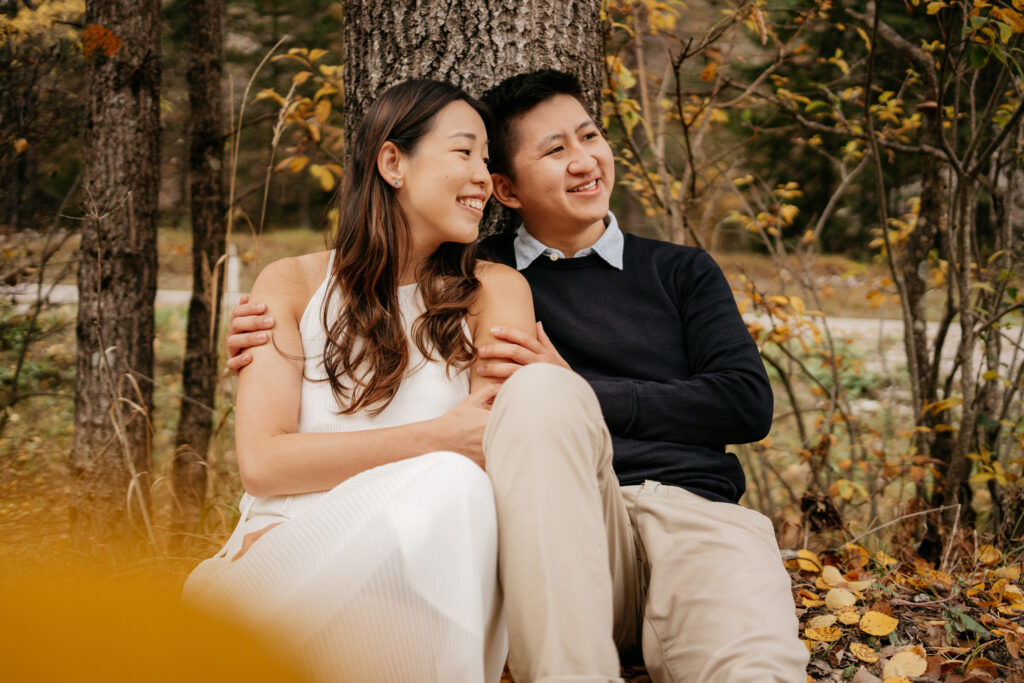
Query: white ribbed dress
(391,575)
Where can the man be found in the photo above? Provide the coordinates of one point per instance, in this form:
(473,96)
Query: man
(619,529)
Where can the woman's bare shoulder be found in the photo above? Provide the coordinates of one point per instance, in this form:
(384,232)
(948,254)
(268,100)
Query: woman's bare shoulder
(291,281)
(496,276)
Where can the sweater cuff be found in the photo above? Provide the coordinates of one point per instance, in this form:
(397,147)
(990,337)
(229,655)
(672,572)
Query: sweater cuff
(618,404)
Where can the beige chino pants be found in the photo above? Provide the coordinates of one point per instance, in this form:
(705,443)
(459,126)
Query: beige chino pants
(591,569)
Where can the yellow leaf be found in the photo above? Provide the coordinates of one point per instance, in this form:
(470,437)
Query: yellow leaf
(301,77)
(323,110)
(897,679)
(1013,19)
(297,164)
(878,624)
(316,54)
(828,634)
(989,555)
(20,145)
(708,74)
(849,616)
(832,576)
(990,375)
(808,561)
(839,598)
(809,604)
(325,90)
(325,177)
(934,7)
(859,585)
(863,653)
(907,663)
(823,621)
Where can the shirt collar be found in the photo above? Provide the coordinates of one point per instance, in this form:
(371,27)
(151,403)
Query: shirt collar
(609,246)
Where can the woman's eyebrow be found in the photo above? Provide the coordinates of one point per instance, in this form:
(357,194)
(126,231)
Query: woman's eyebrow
(463,134)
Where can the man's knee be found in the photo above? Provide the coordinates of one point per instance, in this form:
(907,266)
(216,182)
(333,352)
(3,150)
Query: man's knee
(548,393)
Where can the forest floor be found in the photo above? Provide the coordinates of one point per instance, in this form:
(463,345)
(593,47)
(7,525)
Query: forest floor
(871,611)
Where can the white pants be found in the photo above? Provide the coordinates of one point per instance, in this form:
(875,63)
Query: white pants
(390,576)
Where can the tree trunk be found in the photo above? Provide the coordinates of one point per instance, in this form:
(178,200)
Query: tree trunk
(469,43)
(206,156)
(117,268)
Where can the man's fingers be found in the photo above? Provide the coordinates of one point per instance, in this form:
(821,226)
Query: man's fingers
(247,307)
(484,395)
(249,323)
(241,342)
(497,370)
(514,352)
(511,334)
(238,362)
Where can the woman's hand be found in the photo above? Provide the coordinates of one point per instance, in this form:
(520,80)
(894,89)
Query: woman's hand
(245,332)
(462,428)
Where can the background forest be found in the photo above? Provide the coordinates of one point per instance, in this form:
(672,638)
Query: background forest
(855,168)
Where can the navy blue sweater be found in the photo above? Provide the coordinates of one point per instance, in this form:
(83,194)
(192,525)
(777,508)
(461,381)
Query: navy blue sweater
(668,355)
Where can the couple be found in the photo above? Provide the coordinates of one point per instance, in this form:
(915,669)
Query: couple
(608,512)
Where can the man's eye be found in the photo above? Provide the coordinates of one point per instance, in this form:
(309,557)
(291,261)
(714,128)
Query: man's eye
(590,136)
(553,150)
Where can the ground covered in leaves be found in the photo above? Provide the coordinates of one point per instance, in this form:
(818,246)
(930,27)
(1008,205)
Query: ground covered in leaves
(869,617)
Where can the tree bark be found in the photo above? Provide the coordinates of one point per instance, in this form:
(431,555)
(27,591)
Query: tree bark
(117,269)
(469,43)
(206,191)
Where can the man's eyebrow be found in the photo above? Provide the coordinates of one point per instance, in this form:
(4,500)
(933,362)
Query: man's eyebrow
(548,139)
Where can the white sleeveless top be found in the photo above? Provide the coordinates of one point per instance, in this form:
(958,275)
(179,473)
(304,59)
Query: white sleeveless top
(428,390)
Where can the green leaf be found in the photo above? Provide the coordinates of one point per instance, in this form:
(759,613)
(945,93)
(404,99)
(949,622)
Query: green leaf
(979,57)
(817,105)
(962,622)
(1004,31)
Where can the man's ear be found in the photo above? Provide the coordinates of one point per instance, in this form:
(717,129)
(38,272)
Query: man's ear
(505,191)
(391,163)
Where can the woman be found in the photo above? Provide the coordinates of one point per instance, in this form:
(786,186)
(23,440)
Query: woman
(368,529)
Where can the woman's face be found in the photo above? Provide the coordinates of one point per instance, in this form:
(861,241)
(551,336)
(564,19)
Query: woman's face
(445,182)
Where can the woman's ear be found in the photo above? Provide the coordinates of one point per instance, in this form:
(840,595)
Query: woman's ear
(505,191)
(391,164)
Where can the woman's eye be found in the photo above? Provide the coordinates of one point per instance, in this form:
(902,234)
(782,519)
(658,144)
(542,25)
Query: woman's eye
(464,151)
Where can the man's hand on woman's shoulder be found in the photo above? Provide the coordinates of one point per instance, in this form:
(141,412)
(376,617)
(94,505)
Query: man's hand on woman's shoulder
(246,330)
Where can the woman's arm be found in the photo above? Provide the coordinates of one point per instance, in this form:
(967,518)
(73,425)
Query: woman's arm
(275,460)
(505,302)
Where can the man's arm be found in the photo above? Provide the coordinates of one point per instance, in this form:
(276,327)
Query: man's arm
(726,399)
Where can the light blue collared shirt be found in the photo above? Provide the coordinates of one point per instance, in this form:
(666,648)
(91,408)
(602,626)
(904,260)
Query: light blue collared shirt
(608,246)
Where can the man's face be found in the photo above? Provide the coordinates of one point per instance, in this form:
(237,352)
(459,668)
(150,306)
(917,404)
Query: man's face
(564,168)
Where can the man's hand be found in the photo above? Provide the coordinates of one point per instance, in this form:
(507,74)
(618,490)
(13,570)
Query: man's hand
(244,332)
(514,350)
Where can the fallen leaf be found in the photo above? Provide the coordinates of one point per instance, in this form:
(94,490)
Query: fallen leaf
(864,653)
(885,559)
(864,676)
(832,576)
(982,666)
(808,561)
(823,621)
(989,555)
(828,634)
(897,679)
(878,624)
(849,616)
(908,663)
(859,585)
(808,603)
(839,598)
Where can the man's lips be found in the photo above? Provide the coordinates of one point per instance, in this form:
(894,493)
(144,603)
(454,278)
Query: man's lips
(587,187)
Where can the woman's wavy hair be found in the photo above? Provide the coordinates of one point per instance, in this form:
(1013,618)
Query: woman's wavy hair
(366,354)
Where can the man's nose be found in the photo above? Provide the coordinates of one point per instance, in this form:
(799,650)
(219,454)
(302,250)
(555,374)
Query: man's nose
(582,162)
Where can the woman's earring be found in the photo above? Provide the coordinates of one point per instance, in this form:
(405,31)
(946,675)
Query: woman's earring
(396,182)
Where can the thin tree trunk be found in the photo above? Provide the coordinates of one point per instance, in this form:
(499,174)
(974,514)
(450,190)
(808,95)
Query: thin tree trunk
(117,269)
(206,155)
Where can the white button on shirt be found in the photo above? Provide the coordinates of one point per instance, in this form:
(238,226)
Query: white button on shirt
(608,246)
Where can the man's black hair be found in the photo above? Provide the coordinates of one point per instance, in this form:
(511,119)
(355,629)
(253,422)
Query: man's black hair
(514,97)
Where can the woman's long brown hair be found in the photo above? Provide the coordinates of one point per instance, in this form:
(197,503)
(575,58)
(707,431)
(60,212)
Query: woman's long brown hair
(366,354)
